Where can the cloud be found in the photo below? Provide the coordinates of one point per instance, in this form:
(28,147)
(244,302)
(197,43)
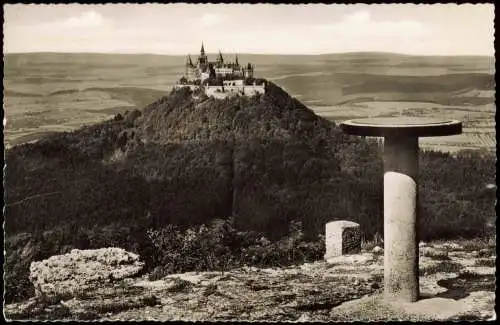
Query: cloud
(211,19)
(84,31)
(360,16)
(356,31)
(360,24)
(86,19)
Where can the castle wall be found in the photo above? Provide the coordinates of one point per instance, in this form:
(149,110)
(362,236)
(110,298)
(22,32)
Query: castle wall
(223,72)
(231,90)
(252,90)
(204,75)
(238,83)
(192,87)
(248,73)
(212,90)
(234,89)
(216,91)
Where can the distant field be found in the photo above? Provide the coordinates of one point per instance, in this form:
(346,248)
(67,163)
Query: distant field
(50,92)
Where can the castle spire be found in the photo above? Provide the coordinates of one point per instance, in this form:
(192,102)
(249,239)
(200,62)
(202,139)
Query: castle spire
(236,61)
(189,61)
(220,58)
(202,51)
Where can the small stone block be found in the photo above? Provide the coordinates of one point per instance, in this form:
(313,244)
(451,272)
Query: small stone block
(342,237)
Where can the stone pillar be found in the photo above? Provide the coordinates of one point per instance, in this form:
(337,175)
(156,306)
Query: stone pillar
(400,218)
(342,237)
(400,193)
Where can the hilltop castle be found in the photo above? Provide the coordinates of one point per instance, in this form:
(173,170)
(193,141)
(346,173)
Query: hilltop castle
(203,68)
(219,78)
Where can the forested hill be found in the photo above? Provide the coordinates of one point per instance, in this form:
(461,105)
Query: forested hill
(197,158)
(183,117)
(188,159)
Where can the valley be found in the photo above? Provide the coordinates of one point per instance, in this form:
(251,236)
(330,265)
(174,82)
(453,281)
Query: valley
(53,92)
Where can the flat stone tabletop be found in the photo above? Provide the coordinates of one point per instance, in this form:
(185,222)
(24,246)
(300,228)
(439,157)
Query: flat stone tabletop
(401,126)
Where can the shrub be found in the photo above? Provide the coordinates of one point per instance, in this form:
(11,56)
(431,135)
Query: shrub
(194,249)
(219,246)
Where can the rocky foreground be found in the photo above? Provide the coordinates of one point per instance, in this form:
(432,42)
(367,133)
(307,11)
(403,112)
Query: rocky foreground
(103,285)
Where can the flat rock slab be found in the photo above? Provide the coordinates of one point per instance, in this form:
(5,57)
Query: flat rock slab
(307,291)
(363,259)
(481,270)
(478,305)
(429,285)
(317,291)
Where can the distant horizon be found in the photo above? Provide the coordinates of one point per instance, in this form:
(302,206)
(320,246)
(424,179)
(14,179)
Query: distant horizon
(250,53)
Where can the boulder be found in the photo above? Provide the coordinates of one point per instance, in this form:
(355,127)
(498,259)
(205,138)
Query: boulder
(485,252)
(377,250)
(449,246)
(480,270)
(434,252)
(81,270)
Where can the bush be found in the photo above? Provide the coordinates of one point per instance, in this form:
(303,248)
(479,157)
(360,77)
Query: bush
(220,246)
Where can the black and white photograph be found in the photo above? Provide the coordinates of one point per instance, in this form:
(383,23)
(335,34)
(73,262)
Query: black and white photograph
(249,162)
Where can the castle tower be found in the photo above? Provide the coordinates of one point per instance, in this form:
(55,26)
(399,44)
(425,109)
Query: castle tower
(236,60)
(249,72)
(202,59)
(189,67)
(220,59)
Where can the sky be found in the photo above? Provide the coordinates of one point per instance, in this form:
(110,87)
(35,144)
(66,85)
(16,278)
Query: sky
(441,29)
